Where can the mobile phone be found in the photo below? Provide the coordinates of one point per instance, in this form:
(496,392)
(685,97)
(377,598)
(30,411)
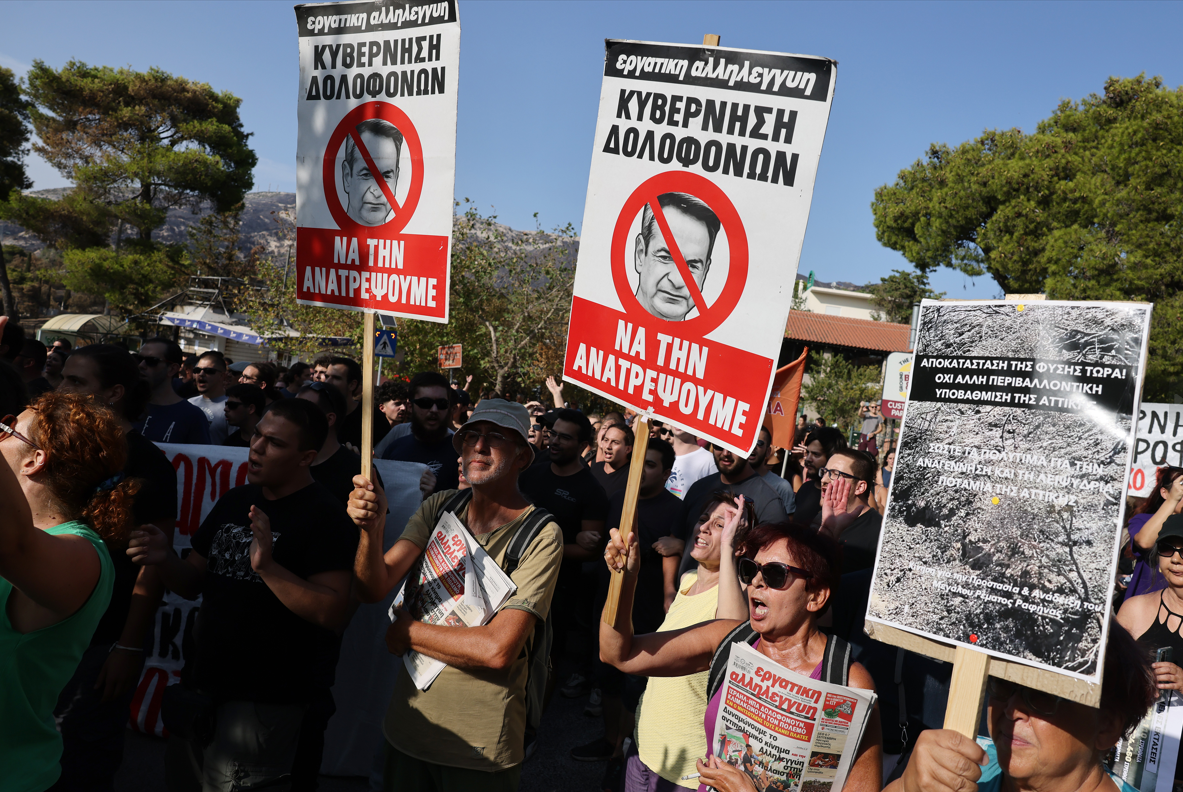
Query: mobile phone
(1163,655)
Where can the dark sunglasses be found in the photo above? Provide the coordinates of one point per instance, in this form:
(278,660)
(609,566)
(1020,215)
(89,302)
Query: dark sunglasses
(233,405)
(1167,549)
(208,371)
(1035,701)
(6,425)
(776,575)
(425,403)
(148,360)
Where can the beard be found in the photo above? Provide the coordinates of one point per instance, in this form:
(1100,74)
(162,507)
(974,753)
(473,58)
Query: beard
(489,474)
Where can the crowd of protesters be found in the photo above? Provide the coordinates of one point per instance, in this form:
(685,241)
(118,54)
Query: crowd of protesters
(774,549)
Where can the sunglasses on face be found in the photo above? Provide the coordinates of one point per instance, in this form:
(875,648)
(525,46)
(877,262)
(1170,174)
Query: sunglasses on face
(1000,691)
(1167,549)
(470,437)
(7,431)
(208,371)
(149,361)
(776,575)
(424,403)
(232,405)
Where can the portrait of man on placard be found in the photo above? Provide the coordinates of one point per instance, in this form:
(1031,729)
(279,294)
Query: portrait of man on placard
(367,203)
(661,289)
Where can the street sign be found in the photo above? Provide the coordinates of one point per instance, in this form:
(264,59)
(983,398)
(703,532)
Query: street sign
(385,343)
(450,356)
(702,175)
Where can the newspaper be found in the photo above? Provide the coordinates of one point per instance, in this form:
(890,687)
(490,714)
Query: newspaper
(454,583)
(1146,758)
(787,732)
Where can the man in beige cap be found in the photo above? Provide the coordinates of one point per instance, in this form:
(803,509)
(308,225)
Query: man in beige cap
(467,729)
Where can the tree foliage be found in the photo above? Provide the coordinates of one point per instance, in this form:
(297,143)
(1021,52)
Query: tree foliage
(1087,207)
(14,134)
(836,386)
(135,144)
(895,295)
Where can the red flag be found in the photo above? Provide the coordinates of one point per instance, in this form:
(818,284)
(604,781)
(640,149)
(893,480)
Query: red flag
(781,414)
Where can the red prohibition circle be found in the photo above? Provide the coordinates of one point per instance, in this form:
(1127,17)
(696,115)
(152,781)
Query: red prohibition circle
(737,241)
(391,114)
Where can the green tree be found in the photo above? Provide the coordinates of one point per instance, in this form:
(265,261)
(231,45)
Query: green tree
(135,144)
(836,386)
(14,134)
(1087,207)
(894,295)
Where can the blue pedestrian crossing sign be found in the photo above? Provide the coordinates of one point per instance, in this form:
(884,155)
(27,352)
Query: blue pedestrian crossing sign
(385,343)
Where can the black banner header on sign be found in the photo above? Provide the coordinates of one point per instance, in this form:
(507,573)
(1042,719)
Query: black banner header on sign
(337,19)
(1028,383)
(714,67)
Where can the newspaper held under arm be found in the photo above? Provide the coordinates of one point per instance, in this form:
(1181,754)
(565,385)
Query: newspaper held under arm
(787,732)
(454,583)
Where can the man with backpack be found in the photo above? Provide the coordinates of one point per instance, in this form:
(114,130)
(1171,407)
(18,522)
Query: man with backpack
(466,730)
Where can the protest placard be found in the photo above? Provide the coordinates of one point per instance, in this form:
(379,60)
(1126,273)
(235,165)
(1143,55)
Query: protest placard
(1159,444)
(451,356)
(376,155)
(702,174)
(1146,758)
(1002,526)
(897,372)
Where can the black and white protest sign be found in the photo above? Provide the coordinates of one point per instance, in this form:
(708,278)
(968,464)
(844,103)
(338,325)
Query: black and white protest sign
(1006,505)
(1159,444)
(702,174)
(376,155)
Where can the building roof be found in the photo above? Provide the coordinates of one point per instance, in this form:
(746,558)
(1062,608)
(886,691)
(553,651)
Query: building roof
(84,323)
(848,332)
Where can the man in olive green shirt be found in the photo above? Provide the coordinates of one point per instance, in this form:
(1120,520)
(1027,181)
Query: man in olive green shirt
(467,729)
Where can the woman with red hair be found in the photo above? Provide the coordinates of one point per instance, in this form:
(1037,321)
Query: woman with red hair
(62,498)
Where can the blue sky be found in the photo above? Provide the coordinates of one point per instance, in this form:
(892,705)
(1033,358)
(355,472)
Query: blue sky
(909,74)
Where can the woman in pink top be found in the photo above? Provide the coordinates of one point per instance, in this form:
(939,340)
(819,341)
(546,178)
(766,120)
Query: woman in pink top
(790,572)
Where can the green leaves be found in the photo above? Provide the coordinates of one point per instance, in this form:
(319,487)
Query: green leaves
(1087,207)
(836,386)
(895,295)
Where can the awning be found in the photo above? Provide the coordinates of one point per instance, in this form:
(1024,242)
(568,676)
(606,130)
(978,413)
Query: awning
(233,332)
(845,331)
(89,324)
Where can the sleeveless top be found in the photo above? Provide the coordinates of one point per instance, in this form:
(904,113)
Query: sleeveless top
(886,477)
(1160,633)
(669,718)
(34,668)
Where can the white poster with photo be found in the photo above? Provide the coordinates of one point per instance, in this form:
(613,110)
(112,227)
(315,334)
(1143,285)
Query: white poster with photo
(702,174)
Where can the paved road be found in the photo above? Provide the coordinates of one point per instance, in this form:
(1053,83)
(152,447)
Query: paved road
(548,770)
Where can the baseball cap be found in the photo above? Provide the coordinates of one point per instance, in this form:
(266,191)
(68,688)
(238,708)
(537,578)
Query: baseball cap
(239,367)
(506,414)
(1172,527)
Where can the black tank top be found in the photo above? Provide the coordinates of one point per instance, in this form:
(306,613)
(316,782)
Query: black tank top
(1164,632)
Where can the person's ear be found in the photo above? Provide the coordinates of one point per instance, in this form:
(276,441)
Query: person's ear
(639,253)
(173,369)
(816,600)
(345,176)
(307,457)
(332,419)
(860,487)
(117,392)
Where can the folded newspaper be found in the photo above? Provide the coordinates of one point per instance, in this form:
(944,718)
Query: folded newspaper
(787,732)
(455,583)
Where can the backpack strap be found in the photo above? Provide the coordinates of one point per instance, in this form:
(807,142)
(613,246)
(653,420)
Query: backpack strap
(742,633)
(457,501)
(836,661)
(523,537)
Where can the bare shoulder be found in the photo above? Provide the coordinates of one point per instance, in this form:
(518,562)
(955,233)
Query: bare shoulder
(1137,613)
(861,678)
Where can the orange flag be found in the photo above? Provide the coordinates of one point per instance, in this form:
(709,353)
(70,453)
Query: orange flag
(781,415)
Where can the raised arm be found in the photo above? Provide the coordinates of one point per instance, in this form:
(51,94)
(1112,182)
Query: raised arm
(376,573)
(556,391)
(1148,536)
(675,653)
(58,573)
(733,602)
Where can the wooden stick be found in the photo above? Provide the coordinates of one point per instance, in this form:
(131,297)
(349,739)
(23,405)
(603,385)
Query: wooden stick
(628,517)
(367,396)
(964,710)
(710,40)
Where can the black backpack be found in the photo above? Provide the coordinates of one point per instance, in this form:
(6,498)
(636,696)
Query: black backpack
(835,662)
(538,668)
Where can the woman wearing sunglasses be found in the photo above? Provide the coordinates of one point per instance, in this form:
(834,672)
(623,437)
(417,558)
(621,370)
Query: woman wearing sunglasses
(790,572)
(62,498)
(1039,742)
(1156,618)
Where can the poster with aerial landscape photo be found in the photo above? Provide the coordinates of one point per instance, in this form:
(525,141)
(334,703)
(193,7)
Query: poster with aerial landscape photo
(1002,526)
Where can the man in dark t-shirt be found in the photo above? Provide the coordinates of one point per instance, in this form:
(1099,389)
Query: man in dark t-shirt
(272,562)
(428,442)
(170,418)
(335,465)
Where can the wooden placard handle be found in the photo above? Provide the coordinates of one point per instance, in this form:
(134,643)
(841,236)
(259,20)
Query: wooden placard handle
(628,516)
(367,395)
(968,686)
(710,40)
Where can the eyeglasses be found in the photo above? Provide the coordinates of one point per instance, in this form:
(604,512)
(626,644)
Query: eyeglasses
(247,379)
(1035,701)
(425,403)
(664,432)
(6,427)
(823,472)
(536,428)
(149,360)
(776,575)
(470,437)
(1166,549)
